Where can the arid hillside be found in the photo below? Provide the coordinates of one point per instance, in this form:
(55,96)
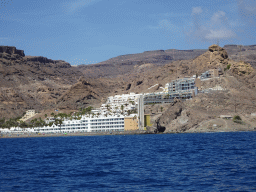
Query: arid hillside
(133,64)
(129,64)
(40,83)
(234,93)
(28,82)
(242,53)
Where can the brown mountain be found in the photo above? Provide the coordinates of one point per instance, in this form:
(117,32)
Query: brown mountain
(40,83)
(28,82)
(129,64)
(242,53)
(236,97)
(134,63)
(88,92)
(238,94)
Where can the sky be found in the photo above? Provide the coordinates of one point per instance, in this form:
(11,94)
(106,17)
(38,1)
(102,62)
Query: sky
(91,31)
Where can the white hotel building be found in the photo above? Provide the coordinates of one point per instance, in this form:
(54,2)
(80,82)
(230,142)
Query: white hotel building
(86,124)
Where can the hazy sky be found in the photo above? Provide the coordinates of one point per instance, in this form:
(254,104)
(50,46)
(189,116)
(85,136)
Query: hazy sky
(90,31)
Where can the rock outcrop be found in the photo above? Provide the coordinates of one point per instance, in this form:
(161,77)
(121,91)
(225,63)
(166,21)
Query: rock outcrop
(241,68)
(215,58)
(11,50)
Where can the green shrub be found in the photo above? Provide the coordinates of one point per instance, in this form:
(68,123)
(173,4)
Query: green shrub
(228,67)
(237,119)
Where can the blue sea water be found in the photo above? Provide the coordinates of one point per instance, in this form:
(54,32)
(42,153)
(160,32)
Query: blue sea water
(164,162)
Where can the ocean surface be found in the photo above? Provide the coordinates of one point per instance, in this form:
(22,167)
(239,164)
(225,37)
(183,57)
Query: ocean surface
(163,162)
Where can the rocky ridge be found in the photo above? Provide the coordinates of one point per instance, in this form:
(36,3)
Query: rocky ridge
(11,51)
(129,64)
(41,83)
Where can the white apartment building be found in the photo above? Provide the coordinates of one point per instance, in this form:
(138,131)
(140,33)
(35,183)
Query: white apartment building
(114,103)
(123,98)
(29,114)
(86,124)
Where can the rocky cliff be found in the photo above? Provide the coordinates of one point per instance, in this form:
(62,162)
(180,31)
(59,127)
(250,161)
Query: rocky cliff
(11,51)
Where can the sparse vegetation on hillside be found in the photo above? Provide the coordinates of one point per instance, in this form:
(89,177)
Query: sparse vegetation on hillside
(237,119)
(228,67)
(12,122)
(38,122)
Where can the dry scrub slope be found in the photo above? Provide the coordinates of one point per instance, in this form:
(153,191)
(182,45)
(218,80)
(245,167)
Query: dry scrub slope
(237,98)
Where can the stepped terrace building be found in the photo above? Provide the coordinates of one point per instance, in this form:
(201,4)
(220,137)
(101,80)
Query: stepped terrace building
(123,98)
(182,89)
(211,73)
(184,85)
(115,103)
(29,114)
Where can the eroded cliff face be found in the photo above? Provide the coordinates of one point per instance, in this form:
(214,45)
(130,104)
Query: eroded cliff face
(11,51)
